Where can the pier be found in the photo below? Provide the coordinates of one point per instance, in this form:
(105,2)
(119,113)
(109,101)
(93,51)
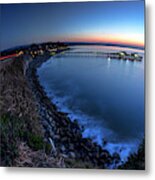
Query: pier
(109,55)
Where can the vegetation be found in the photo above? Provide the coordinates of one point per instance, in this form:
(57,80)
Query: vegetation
(19,119)
(14,131)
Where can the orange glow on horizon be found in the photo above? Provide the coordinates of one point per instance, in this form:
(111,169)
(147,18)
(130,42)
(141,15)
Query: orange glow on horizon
(132,39)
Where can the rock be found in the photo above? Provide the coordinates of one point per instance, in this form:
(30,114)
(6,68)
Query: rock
(65,123)
(85,147)
(57,137)
(69,134)
(109,160)
(95,161)
(102,161)
(45,123)
(51,133)
(82,128)
(50,119)
(71,146)
(65,155)
(116,158)
(63,148)
(58,131)
(104,142)
(64,139)
(61,132)
(72,154)
(104,155)
(90,155)
(98,155)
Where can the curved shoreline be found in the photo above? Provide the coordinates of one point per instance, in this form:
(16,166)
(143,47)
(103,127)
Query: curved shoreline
(64,135)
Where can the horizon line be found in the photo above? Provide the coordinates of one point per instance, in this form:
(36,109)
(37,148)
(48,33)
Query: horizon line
(79,43)
(105,43)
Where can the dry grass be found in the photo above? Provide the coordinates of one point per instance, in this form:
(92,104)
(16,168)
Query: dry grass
(29,158)
(15,96)
(19,119)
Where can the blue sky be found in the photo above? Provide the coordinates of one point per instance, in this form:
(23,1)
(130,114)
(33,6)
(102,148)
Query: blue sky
(117,22)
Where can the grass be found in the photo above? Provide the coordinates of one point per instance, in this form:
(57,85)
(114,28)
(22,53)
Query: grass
(35,142)
(13,131)
(19,119)
(10,133)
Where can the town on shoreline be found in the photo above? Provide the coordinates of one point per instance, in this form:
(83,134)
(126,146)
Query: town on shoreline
(53,48)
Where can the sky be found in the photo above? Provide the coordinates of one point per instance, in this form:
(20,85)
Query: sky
(103,22)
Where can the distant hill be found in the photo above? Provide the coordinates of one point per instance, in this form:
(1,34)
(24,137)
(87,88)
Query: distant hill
(103,44)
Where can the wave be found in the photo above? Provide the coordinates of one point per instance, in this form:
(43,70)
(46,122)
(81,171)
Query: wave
(95,131)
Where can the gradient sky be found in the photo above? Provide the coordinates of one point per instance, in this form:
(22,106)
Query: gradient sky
(113,22)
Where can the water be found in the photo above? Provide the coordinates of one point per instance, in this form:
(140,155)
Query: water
(105,96)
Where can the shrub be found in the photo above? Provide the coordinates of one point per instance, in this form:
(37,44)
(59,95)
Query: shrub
(35,141)
(9,139)
(14,131)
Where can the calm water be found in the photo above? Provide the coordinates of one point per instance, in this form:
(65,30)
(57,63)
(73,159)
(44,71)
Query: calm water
(105,96)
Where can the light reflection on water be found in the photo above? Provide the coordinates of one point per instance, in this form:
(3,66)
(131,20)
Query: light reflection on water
(104,95)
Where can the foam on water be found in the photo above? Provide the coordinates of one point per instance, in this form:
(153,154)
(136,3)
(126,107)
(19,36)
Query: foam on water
(98,132)
(92,130)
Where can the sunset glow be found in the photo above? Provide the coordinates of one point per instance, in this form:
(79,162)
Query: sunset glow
(127,39)
(98,22)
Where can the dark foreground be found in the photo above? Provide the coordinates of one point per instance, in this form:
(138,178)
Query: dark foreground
(35,134)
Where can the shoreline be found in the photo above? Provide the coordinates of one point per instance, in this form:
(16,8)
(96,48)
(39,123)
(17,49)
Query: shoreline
(64,135)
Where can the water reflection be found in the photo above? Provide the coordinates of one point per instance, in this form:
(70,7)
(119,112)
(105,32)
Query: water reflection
(104,95)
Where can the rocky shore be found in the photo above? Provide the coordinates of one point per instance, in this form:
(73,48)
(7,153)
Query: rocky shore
(64,135)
